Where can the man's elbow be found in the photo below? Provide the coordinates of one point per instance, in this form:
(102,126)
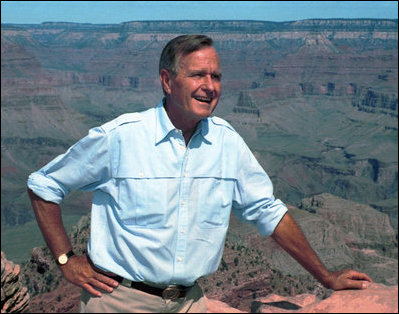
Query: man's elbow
(32,194)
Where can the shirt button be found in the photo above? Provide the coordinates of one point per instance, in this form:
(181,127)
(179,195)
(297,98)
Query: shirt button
(176,131)
(141,174)
(182,230)
(179,259)
(185,174)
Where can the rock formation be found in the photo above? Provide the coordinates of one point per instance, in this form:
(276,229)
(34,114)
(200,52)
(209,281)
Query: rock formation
(14,295)
(252,270)
(314,99)
(377,298)
(245,104)
(368,100)
(344,234)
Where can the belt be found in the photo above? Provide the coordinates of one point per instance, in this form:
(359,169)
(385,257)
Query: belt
(169,292)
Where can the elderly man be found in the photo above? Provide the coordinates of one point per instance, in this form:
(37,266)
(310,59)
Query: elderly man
(165,181)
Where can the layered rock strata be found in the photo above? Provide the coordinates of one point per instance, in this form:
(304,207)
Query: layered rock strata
(14,295)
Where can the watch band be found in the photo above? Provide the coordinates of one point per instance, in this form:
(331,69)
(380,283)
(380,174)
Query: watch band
(63,258)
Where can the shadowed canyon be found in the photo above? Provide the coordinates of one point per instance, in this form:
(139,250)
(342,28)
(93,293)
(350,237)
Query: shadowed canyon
(316,101)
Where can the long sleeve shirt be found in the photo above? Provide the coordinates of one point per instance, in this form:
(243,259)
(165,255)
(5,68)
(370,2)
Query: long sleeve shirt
(161,209)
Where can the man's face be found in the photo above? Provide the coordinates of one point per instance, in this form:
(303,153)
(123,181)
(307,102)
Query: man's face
(194,92)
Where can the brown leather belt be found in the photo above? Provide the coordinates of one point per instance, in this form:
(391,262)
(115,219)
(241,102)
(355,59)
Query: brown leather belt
(172,292)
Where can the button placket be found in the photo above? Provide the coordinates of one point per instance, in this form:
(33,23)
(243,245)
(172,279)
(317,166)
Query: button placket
(182,220)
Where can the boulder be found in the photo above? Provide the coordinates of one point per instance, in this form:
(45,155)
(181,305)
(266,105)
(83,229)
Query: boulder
(14,295)
(215,306)
(377,298)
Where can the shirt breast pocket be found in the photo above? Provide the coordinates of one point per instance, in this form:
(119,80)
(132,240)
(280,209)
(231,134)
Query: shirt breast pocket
(142,201)
(216,201)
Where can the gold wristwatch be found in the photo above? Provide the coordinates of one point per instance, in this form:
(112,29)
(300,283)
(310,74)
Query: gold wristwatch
(63,258)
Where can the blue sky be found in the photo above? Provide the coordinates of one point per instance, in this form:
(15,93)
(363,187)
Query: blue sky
(114,12)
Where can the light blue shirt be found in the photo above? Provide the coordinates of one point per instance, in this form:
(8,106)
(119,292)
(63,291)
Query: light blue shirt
(161,210)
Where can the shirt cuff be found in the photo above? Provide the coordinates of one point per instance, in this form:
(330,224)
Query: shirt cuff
(269,220)
(45,188)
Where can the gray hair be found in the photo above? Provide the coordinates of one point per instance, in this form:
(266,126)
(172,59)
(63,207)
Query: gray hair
(181,46)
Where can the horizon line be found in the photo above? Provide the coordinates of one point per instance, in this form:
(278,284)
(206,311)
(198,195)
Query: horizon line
(205,20)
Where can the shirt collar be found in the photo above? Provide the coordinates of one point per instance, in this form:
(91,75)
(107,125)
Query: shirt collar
(203,128)
(164,126)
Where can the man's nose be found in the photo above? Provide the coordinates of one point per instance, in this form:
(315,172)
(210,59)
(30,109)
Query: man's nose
(208,83)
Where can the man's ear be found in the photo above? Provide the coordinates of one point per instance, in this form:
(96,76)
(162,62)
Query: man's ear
(166,81)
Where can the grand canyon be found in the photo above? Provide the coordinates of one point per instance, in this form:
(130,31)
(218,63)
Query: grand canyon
(316,101)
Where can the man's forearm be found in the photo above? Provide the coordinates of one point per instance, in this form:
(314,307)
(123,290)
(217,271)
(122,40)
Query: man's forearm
(78,270)
(49,218)
(290,237)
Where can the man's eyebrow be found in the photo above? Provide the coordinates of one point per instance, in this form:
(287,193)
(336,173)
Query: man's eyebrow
(215,73)
(203,71)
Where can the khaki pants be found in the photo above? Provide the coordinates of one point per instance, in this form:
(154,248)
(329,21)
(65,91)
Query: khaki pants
(129,300)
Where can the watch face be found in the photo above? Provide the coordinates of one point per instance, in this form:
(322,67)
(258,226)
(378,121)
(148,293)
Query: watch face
(62,259)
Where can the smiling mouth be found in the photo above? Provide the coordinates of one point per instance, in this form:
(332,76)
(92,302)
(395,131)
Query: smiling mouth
(203,99)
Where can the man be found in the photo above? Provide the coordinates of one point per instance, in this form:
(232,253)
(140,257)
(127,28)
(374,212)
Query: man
(164,182)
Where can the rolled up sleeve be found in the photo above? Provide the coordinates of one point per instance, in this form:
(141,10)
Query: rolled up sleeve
(83,166)
(254,201)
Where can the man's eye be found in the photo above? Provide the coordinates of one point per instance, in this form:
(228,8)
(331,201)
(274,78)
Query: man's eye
(216,77)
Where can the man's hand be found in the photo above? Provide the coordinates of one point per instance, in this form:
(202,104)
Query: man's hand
(79,271)
(347,279)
